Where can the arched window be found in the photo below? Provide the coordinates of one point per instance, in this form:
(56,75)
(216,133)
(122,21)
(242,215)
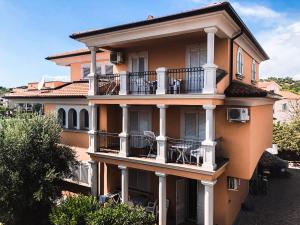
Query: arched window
(253,71)
(240,63)
(61,115)
(72,118)
(84,119)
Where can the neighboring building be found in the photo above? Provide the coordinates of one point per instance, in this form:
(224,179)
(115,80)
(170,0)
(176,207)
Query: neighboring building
(189,79)
(284,109)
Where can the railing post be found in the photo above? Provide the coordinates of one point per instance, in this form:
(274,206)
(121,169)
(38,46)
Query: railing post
(209,142)
(124,83)
(210,69)
(93,77)
(162,80)
(124,145)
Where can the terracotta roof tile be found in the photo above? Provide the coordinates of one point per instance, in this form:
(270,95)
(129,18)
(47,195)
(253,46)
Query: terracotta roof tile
(240,89)
(289,95)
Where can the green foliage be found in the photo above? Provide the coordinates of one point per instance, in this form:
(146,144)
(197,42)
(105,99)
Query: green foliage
(85,210)
(74,210)
(4,90)
(32,163)
(287,84)
(121,214)
(287,136)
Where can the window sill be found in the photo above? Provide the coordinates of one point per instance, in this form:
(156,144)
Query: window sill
(239,76)
(254,82)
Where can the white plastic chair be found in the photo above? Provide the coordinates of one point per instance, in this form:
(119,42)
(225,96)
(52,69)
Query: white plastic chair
(197,153)
(151,207)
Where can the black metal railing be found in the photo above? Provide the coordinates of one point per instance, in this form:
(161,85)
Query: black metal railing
(185,80)
(108,142)
(109,84)
(141,145)
(142,82)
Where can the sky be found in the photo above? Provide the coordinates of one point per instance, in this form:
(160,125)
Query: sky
(32,30)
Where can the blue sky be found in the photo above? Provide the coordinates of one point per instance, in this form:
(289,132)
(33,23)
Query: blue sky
(32,30)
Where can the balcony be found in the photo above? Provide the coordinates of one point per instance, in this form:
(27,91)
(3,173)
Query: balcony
(168,81)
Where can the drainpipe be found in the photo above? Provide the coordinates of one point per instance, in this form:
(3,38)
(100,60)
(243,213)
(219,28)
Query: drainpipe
(231,54)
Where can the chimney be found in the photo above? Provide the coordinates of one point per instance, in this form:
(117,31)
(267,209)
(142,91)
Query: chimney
(150,17)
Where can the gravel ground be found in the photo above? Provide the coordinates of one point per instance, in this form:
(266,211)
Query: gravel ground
(281,206)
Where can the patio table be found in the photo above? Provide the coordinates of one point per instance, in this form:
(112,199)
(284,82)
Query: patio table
(182,149)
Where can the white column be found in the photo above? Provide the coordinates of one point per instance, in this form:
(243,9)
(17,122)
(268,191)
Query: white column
(162,199)
(210,69)
(162,81)
(124,83)
(78,119)
(93,143)
(124,183)
(93,78)
(208,202)
(124,147)
(209,142)
(162,139)
(93,177)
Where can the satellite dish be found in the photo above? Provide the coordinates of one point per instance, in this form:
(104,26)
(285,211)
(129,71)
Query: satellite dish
(41,84)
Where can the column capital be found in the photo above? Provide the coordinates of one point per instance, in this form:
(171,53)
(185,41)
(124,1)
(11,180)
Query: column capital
(209,107)
(122,167)
(211,30)
(159,174)
(161,70)
(123,72)
(209,183)
(93,48)
(162,106)
(124,105)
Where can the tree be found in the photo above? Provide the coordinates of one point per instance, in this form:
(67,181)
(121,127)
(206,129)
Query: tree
(32,163)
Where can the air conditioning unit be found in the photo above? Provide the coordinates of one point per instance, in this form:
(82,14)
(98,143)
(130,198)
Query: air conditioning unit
(116,57)
(233,183)
(238,114)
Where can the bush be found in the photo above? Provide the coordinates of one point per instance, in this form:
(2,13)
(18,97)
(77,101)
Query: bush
(74,210)
(121,214)
(85,210)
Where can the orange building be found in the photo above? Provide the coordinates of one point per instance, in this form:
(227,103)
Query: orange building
(166,111)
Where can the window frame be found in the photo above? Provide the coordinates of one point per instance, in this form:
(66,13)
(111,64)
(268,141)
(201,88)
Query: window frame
(240,63)
(102,67)
(253,71)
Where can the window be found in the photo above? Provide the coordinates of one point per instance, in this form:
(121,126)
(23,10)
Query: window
(139,180)
(284,107)
(84,119)
(240,63)
(72,118)
(233,183)
(100,69)
(81,173)
(193,124)
(253,71)
(62,117)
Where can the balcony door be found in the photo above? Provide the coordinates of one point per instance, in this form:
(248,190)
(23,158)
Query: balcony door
(196,56)
(138,63)
(193,125)
(140,121)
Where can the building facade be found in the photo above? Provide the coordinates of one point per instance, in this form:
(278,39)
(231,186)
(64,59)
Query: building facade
(167,111)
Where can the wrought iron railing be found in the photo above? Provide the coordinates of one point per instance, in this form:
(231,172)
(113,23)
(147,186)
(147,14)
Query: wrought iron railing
(185,80)
(108,142)
(142,82)
(109,84)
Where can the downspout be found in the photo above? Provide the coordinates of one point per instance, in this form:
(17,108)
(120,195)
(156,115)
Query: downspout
(231,54)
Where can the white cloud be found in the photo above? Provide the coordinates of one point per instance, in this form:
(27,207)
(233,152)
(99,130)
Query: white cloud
(255,11)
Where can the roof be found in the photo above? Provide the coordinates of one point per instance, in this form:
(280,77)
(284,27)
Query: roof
(289,95)
(265,84)
(83,51)
(204,10)
(74,89)
(240,89)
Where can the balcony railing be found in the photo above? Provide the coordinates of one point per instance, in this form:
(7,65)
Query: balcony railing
(142,82)
(142,146)
(185,80)
(108,142)
(109,84)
